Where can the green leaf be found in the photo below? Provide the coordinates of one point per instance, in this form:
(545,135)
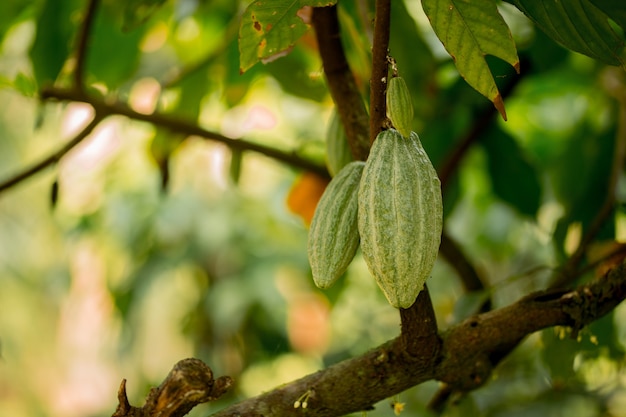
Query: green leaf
(108,42)
(580,26)
(137,12)
(25,85)
(269,28)
(615,9)
(514,178)
(55,29)
(469,30)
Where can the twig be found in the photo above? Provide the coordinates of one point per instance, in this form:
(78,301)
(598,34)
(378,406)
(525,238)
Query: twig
(483,121)
(378,80)
(457,260)
(83,43)
(341,82)
(53,158)
(567,273)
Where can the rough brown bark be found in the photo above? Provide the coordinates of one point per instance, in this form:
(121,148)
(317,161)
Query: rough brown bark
(468,353)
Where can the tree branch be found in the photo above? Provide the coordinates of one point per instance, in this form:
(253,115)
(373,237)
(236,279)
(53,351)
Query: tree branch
(341,82)
(104,108)
(53,158)
(378,80)
(483,121)
(457,260)
(83,43)
(468,353)
(189,383)
(568,272)
(419,331)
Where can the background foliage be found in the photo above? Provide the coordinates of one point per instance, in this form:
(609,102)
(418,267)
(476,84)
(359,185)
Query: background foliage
(144,245)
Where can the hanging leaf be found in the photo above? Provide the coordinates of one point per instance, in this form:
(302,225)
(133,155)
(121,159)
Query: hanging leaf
(469,30)
(269,28)
(514,178)
(55,31)
(615,9)
(581,26)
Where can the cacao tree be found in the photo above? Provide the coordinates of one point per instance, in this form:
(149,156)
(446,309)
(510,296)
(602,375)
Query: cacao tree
(316,207)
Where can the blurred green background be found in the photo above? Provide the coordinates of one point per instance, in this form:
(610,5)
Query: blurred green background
(122,277)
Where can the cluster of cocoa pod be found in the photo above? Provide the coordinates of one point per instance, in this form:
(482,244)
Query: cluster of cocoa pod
(390,205)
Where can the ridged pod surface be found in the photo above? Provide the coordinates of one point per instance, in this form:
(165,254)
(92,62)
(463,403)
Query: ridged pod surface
(338,153)
(399,105)
(334,234)
(400,216)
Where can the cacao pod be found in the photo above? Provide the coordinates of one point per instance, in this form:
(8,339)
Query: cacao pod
(338,153)
(400,216)
(334,235)
(399,105)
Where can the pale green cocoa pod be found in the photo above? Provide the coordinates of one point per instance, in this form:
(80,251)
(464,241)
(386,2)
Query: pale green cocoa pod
(399,105)
(338,153)
(334,235)
(400,216)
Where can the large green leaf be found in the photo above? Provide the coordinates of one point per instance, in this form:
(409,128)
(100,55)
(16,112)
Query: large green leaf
(513,177)
(615,9)
(469,30)
(270,27)
(55,31)
(109,41)
(580,26)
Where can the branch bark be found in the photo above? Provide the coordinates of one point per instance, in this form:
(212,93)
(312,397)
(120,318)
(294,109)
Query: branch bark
(378,80)
(52,158)
(104,108)
(468,354)
(83,43)
(341,82)
(617,87)
(189,383)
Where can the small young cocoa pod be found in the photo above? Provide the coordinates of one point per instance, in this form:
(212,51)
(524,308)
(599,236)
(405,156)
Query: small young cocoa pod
(334,234)
(338,153)
(399,105)
(400,216)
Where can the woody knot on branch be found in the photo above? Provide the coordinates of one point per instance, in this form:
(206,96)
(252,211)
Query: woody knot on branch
(189,383)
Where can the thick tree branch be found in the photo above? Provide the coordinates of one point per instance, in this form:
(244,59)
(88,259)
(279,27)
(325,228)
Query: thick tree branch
(341,82)
(104,108)
(378,80)
(468,353)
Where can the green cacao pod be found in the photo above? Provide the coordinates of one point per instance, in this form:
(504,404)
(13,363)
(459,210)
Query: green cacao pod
(400,216)
(399,105)
(334,234)
(338,153)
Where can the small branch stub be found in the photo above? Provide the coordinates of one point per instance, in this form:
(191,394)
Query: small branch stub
(188,384)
